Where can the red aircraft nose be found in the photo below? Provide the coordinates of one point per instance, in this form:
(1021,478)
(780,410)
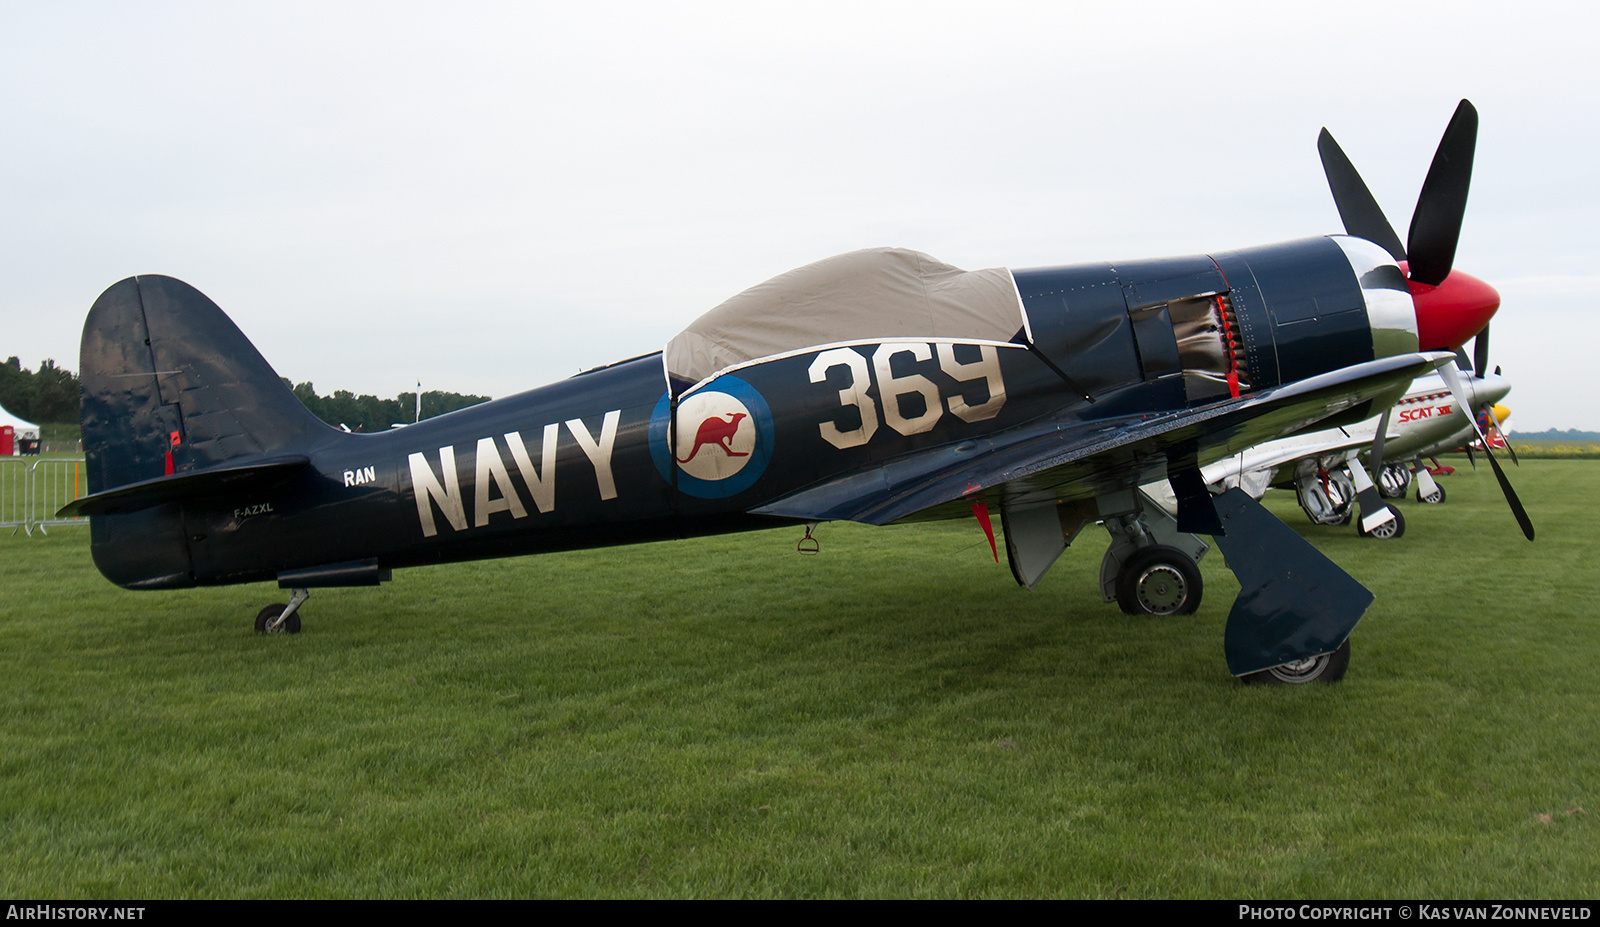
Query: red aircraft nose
(1452,312)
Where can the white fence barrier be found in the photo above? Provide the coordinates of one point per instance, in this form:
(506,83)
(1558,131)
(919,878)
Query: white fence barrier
(14,492)
(33,489)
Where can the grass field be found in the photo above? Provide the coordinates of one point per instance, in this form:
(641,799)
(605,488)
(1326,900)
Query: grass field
(892,717)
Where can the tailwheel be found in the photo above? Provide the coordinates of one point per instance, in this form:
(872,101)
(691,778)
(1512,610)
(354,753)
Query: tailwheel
(290,626)
(1159,580)
(1328,667)
(1389,530)
(282,619)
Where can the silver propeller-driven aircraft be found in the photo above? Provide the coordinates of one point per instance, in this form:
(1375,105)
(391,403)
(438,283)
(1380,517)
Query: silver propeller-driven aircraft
(1326,467)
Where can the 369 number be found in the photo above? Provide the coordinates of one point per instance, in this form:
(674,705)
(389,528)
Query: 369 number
(892,387)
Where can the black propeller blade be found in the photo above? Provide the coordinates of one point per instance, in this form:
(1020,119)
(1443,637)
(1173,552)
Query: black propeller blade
(1453,379)
(1480,363)
(1436,223)
(1494,423)
(1510,494)
(1360,212)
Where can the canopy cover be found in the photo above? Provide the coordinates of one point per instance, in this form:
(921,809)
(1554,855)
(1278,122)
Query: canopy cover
(879,294)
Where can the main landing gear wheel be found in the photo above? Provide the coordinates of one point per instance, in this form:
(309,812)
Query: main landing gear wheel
(1159,580)
(1329,667)
(1388,531)
(1433,498)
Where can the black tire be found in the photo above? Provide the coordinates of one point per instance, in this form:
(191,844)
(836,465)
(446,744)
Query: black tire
(1434,499)
(1389,531)
(272,611)
(1159,580)
(1329,667)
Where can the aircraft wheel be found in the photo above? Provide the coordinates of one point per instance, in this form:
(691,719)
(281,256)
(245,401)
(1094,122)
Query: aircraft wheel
(1159,580)
(1433,498)
(1329,501)
(1329,667)
(1394,481)
(292,626)
(1389,531)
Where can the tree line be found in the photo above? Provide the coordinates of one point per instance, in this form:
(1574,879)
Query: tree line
(369,413)
(49,396)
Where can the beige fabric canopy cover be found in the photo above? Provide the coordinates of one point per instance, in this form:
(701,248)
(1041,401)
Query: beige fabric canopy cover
(879,294)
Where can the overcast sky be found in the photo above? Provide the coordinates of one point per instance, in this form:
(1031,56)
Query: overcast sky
(488,197)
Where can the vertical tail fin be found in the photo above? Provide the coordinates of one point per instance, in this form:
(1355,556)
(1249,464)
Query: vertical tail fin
(170,385)
(164,371)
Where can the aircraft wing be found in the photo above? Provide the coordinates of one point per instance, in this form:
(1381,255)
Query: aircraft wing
(1073,459)
(1274,454)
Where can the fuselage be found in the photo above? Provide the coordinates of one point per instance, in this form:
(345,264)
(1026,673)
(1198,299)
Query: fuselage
(613,456)
(1428,415)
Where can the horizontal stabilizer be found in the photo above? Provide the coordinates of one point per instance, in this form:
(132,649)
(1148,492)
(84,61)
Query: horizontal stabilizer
(1294,603)
(235,476)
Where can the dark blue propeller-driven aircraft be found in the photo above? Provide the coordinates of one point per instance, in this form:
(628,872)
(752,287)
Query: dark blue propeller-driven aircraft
(878,386)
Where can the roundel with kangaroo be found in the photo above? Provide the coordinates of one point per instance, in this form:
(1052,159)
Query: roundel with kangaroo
(722,442)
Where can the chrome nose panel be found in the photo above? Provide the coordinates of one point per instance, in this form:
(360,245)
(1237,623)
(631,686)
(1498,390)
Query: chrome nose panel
(1390,311)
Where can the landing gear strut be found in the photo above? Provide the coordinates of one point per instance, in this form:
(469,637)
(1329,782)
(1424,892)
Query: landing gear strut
(1150,567)
(282,619)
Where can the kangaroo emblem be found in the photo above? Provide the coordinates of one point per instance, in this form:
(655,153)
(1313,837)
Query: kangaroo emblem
(716,432)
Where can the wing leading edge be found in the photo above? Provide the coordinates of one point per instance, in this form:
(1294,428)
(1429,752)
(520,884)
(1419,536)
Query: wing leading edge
(1074,461)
